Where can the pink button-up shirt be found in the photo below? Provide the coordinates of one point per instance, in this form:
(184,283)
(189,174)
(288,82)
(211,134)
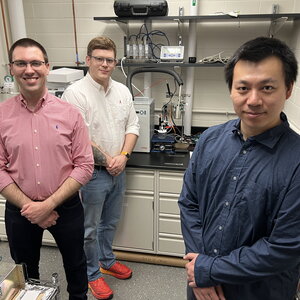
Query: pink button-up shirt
(40,149)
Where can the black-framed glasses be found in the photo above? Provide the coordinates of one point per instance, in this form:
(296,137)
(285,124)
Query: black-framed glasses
(101,60)
(22,64)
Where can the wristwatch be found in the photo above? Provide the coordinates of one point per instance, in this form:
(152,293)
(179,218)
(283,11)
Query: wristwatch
(126,154)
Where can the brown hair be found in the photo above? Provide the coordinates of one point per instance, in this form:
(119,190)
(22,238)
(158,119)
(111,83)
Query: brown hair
(27,42)
(101,42)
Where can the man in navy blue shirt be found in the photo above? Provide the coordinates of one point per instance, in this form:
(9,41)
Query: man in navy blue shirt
(240,202)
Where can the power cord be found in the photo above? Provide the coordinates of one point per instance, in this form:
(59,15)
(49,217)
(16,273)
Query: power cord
(124,73)
(216,58)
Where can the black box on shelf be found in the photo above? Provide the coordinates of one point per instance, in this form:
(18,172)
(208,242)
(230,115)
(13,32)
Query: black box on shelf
(140,8)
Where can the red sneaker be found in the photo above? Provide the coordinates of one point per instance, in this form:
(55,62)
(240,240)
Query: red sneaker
(100,289)
(118,270)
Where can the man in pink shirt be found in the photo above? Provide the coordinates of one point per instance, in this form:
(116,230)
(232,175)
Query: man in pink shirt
(45,157)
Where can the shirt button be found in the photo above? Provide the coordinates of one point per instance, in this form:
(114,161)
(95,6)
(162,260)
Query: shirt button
(216,251)
(226,203)
(36,148)
(37,165)
(234,178)
(244,151)
(35,131)
(38,182)
(220,227)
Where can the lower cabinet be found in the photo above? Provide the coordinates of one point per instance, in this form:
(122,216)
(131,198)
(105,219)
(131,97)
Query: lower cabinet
(136,228)
(150,221)
(169,236)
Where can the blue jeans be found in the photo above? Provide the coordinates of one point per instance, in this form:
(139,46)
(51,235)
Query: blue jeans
(25,240)
(102,199)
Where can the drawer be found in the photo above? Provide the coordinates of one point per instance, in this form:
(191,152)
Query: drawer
(140,180)
(169,225)
(171,246)
(170,182)
(168,204)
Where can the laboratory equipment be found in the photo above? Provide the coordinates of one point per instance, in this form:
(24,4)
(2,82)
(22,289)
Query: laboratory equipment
(59,79)
(148,125)
(14,284)
(144,108)
(171,53)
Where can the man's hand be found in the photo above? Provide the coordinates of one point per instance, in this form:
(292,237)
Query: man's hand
(50,221)
(209,293)
(37,211)
(117,165)
(189,267)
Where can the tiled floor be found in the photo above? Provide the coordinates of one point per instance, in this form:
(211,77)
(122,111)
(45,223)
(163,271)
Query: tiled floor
(149,281)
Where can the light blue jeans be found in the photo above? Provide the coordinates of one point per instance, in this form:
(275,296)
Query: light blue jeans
(102,199)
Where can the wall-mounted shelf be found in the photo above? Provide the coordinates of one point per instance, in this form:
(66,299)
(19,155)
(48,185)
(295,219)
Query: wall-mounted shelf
(204,18)
(169,64)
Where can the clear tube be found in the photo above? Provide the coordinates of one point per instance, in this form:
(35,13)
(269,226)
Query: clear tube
(129,51)
(141,51)
(135,51)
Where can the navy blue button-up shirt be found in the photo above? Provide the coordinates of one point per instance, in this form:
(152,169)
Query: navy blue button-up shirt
(240,209)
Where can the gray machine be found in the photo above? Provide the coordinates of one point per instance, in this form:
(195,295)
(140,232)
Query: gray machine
(144,108)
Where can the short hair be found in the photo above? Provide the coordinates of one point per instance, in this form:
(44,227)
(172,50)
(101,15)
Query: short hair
(260,48)
(26,42)
(101,42)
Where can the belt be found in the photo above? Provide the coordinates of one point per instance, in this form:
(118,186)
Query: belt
(97,167)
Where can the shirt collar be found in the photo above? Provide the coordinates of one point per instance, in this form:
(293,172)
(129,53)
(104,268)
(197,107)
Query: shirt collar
(96,84)
(42,102)
(268,138)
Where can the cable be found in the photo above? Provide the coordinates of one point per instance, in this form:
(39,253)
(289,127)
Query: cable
(122,68)
(216,58)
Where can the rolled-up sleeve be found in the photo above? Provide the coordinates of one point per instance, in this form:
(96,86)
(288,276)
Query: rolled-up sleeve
(5,179)
(132,125)
(82,154)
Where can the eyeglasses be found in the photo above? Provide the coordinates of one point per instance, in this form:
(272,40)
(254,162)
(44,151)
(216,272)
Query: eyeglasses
(101,60)
(22,64)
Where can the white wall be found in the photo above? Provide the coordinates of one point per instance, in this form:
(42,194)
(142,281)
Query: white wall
(50,22)
(292,107)
(4,70)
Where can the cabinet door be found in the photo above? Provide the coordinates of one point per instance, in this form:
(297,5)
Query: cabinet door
(169,231)
(135,229)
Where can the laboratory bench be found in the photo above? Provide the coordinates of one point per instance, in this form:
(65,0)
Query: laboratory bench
(159,160)
(150,221)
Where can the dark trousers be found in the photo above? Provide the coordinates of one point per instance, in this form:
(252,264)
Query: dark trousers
(190,293)
(25,240)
